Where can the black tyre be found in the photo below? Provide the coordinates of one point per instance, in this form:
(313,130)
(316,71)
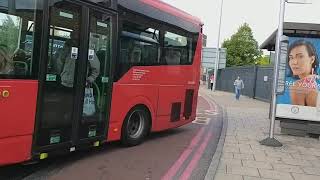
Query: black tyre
(136,126)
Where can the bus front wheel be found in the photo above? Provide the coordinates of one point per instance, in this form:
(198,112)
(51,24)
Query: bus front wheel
(136,126)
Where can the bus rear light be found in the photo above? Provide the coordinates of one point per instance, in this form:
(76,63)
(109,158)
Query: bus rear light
(96,144)
(115,129)
(72,149)
(43,156)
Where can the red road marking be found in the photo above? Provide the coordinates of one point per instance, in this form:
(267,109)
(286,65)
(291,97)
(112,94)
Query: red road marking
(198,154)
(186,153)
(176,166)
(194,162)
(202,104)
(212,107)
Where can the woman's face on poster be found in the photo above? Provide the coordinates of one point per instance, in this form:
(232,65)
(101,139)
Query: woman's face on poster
(300,61)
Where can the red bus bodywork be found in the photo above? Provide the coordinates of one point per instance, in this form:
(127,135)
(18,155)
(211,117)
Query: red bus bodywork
(157,92)
(17,119)
(157,88)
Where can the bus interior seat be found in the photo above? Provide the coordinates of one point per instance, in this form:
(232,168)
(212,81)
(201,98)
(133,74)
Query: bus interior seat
(172,56)
(20,68)
(135,55)
(20,62)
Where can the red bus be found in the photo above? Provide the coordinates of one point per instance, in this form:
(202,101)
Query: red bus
(76,74)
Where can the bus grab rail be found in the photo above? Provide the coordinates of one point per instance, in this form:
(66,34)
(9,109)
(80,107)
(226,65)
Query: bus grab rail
(98,95)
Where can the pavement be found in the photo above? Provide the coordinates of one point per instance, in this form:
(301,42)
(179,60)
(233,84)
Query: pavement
(243,158)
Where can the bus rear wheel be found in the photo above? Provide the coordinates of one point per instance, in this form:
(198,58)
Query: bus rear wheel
(136,126)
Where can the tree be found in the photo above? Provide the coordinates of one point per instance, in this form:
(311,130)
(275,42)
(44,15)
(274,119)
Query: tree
(263,60)
(242,48)
(9,33)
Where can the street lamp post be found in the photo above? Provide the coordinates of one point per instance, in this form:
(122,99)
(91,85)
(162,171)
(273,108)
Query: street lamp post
(271,141)
(216,66)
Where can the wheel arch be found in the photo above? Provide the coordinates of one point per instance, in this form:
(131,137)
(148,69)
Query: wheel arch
(131,135)
(145,103)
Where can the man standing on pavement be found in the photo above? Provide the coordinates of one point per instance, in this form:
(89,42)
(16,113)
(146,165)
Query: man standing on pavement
(238,85)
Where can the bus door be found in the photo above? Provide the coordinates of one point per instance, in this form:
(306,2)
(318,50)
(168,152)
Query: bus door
(75,99)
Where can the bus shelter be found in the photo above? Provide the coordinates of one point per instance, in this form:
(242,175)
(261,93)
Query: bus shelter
(298,106)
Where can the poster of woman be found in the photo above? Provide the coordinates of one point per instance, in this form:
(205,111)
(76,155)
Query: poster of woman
(301,98)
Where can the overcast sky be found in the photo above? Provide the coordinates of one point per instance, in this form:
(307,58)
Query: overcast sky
(261,15)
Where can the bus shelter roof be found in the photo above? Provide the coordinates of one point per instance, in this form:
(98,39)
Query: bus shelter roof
(292,29)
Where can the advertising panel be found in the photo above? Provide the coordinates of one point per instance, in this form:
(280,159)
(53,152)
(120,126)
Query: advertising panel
(301,97)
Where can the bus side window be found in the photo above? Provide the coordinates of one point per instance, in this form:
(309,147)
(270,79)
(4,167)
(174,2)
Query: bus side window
(17,40)
(172,56)
(125,49)
(178,49)
(124,55)
(135,55)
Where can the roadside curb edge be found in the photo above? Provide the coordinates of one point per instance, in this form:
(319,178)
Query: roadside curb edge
(212,170)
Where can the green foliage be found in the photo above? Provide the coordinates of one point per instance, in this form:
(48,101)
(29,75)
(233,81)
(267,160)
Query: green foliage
(264,60)
(9,34)
(242,48)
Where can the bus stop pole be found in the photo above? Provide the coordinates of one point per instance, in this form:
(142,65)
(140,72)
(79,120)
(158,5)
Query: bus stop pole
(271,141)
(216,66)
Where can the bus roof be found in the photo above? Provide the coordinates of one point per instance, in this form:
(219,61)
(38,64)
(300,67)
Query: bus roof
(155,9)
(159,10)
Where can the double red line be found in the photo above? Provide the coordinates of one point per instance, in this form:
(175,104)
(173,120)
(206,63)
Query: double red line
(198,147)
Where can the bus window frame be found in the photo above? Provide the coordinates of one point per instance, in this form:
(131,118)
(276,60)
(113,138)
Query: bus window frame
(135,18)
(32,72)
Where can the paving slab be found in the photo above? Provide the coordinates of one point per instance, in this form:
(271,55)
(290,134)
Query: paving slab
(243,156)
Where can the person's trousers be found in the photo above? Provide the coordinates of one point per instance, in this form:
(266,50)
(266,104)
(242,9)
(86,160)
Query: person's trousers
(238,92)
(211,86)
